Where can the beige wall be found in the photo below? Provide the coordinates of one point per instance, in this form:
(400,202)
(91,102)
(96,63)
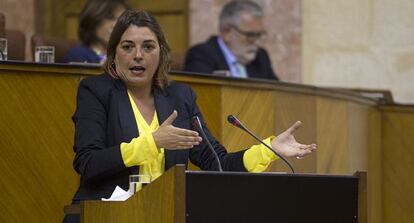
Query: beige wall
(283,23)
(20,16)
(360,44)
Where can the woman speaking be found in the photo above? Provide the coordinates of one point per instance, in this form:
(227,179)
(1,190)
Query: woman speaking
(133,120)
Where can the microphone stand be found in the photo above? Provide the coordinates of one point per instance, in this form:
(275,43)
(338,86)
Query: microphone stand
(234,121)
(197,123)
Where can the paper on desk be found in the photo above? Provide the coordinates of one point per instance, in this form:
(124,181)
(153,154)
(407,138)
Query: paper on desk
(119,195)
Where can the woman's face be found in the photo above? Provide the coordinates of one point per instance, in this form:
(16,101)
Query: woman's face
(137,56)
(105,27)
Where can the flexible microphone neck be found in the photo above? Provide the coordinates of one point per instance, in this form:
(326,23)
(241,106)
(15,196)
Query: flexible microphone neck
(234,121)
(197,124)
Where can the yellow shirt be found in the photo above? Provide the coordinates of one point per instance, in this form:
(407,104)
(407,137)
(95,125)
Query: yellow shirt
(143,152)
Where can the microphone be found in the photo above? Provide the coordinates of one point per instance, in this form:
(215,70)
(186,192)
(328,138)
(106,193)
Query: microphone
(234,121)
(197,124)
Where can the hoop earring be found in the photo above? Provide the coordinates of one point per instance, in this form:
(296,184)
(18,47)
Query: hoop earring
(113,71)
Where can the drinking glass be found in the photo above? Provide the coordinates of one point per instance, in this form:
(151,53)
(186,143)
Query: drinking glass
(45,54)
(3,49)
(136,182)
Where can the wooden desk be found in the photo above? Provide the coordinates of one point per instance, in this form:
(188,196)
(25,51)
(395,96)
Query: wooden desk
(352,132)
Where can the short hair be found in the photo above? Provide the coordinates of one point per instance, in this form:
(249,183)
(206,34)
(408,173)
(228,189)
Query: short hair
(92,14)
(230,14)
(139,19)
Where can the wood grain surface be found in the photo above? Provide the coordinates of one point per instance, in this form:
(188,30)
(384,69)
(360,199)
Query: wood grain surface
(352,133)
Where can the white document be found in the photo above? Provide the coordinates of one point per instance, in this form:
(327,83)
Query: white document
(119,195)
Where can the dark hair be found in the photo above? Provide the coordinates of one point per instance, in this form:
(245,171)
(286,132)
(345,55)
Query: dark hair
(140,19)
(93,13)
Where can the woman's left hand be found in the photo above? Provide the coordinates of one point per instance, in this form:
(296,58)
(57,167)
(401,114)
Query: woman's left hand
(286,144)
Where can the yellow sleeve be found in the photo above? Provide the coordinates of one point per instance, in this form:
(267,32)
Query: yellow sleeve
(139,151)
(258,157)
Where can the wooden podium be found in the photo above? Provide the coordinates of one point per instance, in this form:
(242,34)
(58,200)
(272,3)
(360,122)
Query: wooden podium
(181,196)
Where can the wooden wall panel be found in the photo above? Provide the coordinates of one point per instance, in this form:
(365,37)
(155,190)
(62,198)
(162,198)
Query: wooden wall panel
(169,208)
(209,100)
(36,134)
(289,108)
(173,18)
(358,136)
(71,26)
(364,146)
(60,18)
(332,136)
(251,106)
(175,29)
(57,18)
(398,165)
(343,136)
(374,165)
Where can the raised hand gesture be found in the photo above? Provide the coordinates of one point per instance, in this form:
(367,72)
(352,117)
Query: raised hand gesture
(170,137)
(286,144)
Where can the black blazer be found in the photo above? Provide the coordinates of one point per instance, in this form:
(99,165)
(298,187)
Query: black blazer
(207,57)
(104,119)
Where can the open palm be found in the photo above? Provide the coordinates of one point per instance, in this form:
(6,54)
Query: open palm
(286,144)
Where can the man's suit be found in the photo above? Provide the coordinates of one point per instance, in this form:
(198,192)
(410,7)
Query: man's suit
(104,119)
(208,57)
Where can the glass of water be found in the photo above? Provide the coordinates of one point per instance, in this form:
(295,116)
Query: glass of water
(136,182)
(3,49)
(45,54)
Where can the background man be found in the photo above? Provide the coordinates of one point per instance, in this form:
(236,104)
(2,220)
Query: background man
(236,49)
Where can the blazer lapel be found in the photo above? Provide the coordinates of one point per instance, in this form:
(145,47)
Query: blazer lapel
(162,105)
(126,115)
(128,124)
(127,119)
(164,110)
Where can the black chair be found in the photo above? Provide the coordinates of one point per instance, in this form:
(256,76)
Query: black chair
(16,42)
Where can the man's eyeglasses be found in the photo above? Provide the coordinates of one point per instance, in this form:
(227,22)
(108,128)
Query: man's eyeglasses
(250,35)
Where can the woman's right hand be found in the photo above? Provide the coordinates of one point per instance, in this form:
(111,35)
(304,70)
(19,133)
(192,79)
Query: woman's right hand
(170,137)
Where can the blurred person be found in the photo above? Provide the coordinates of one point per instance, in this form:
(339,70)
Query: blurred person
(236,49)
(132,119)
(96,22)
